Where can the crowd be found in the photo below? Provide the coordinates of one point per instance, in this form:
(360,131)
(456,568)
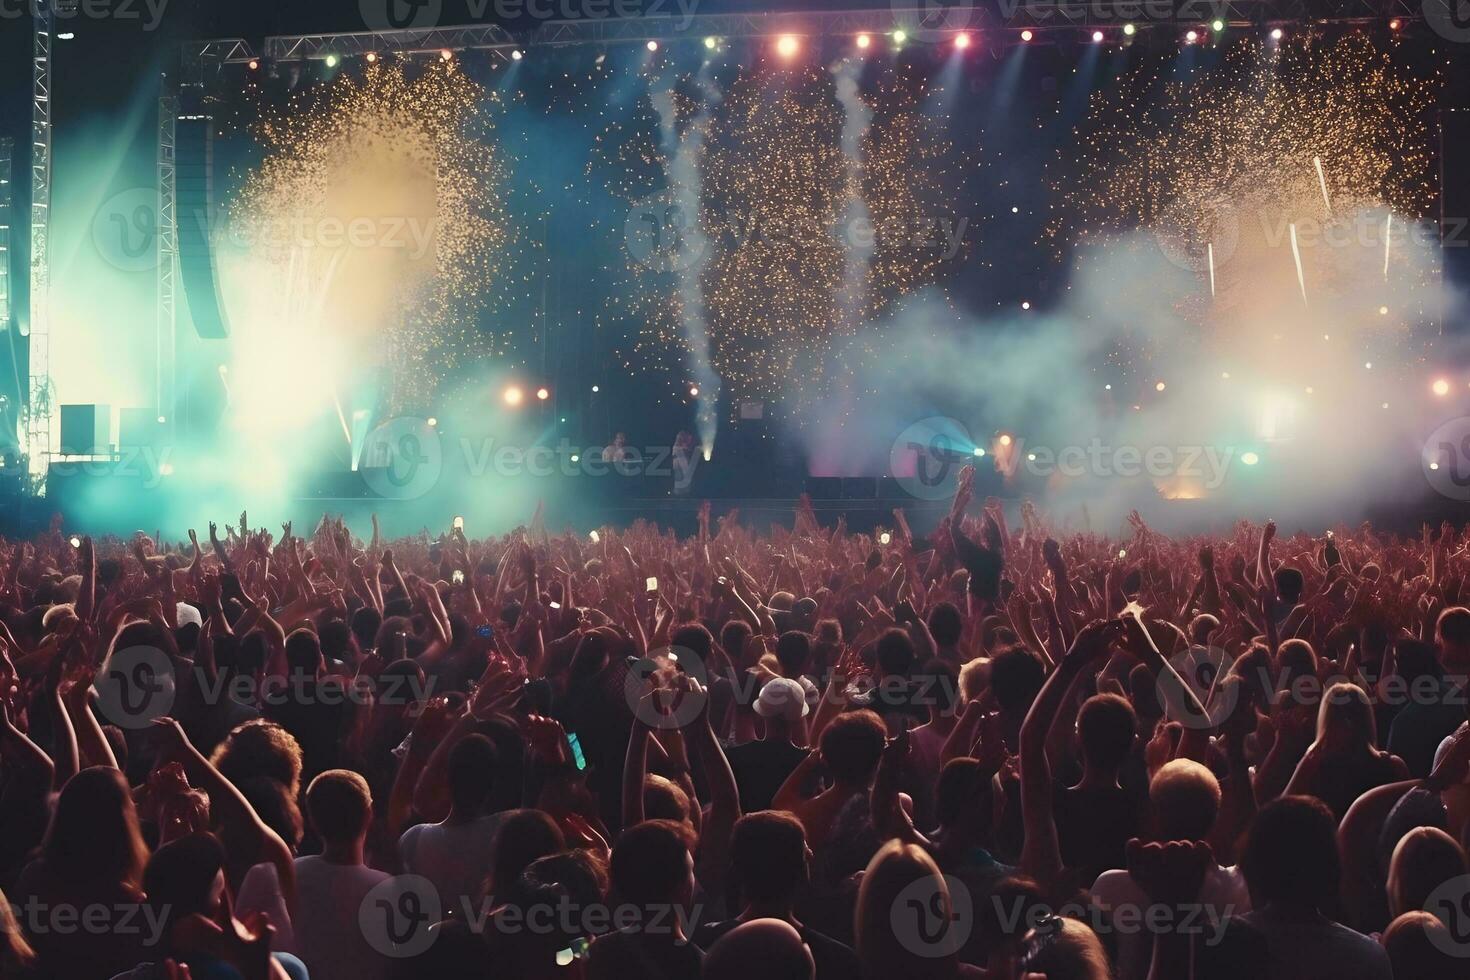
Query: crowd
(799,753)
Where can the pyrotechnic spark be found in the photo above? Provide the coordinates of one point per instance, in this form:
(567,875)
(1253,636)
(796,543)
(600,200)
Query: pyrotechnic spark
(1322,181)
(1387,242)
(1296,255)
(385,194)
(1210,249)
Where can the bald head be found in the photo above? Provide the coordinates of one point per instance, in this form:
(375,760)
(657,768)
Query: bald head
(765,948)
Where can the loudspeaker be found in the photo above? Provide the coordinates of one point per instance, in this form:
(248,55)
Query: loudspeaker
(86,430)
(194,170)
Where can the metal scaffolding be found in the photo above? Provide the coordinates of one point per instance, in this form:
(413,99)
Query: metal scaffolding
(7,151)
(39,405)
(166,328)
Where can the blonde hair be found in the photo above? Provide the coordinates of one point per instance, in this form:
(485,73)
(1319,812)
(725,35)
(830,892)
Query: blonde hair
(903,886)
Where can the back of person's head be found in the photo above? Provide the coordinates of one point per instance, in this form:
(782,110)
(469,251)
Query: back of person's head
(793,652)
(963,793)
(365,623)
(733,637)
(521,837)
(896,656)
(1298,660)
(768,855)
(1453,627)
(1289,584)
(579,873)
(1201,627)
(1345,718)
(1185,799)
(340,806)
(1065,949)
(946,624)
(182,876)
(94,834)
(975,678)
(275,805)
(664,799)
(902,879)
(651,864)
(304,653)
(851,745)
(1143,693)
(1016,676)
(1416,659)
(260,748)
(695,639)
(335,637)
(1106,730)
(1418,946)
(471,772)
(1424,859)
(1291,853)
(768,948)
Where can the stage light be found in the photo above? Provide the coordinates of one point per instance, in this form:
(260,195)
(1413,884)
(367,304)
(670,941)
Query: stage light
(1027,35)
(224,370)
(1097,37)
(513,395)
(1311,390)
(1217,25)
(1433,465)
(1395,24)
(864,40)
(900,36)
(884,538)
(66,36)
(787,45)
(1031,457)
(165,469)
(979,451)
(1383,311)
(653,45)
(1160,386)
(1025,304)
(1225,375)
(1122,552)
(516,55)
(1191,36)
(1441,387)
(1107,387)
(372,56)
(962,41)
(254,65)
(162,419)
(331,61)
(711,43)
(1276,33)
(596,389)
(1249,458)
(1005,439)
(694,391)
(542,394)
(433,422)
(576,458)
(1368,365)
(1130,30)
(446,54)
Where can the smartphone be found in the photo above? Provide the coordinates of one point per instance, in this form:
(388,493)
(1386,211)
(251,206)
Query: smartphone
(485,632)
(459,523)
(578,950)
(651,584)
(884,538)
(576,746)
(457,578)
(554,605)
(595,537)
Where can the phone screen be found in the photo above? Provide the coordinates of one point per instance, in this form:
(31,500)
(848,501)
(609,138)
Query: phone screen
(651,584)
(485,632)
(459,523)
(457,578)
(554,605)
(576,746)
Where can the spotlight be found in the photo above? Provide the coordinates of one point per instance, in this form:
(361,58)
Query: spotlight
(884,538)
(162,419)
(433,422)
(653,45)
(1433,465)
(1031,457)
(962,41)
(224,370)
(1027,35)
(254,65)
(1395,24)
(1160,386)
(1107,387)
(514,55)
(900,36)
(594,536)
(1191,36)
(1225,375)
(576,458)
(787,45)
(66,36)
(694,391)
(1217,25)
(711,43)
(1441,387)
(372,56)
(1249,458)
(1368,365)
(1097,37)
(513,395)
(542,394)
(446,54)
(331,61)
(1277,33)
(979,451)
(76,542)
(863,41)
(596,389)
(1005,439)
(1383,311)
(1130,30)
(165,469)
(1025,304)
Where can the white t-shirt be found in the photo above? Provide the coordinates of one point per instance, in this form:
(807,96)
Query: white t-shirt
(455,857)
(1222,895)
(329,938)
(260,891)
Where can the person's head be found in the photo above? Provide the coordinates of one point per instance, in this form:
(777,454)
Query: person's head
(1016,676)
(471,773)
(895,657)
(768,856)
(1417,944)
(974,679)
(186,877)
(1291,854)
(964,797)
(734,636)
(1065,949)
(793,652)
(1298,660)
(260,748)
(1185,799)
(695,639)
(1289,584)
(304,654)
(1201,628)
(851,745)
(1424,859)
(664,799)
(1106,731)
(365,623)
(652,864)
(1452,633)
(782,704)
(897,873)
(94,835)
(521,837)
(946,624)
(1345,719)
(340,806)
(276,806)
(766,948)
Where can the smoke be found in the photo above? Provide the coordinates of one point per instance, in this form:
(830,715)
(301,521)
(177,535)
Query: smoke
(1139,390)
(856,117)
